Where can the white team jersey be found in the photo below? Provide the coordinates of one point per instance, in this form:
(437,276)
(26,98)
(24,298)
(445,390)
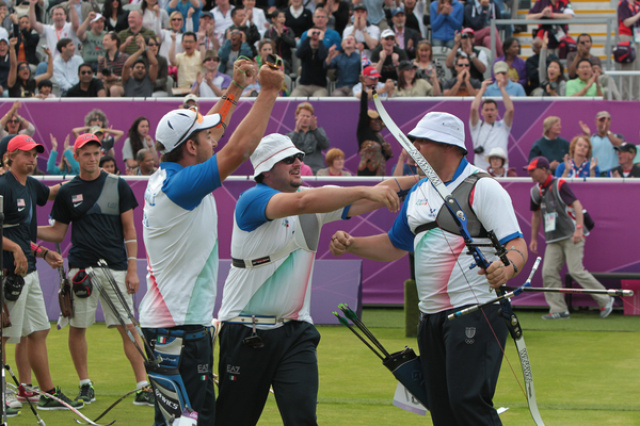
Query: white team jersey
(443,277)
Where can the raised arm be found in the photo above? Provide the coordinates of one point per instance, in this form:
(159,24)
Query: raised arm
(32,17)
(375,247)
(474,116)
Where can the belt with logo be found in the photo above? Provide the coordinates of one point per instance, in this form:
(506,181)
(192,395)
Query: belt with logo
(257,319)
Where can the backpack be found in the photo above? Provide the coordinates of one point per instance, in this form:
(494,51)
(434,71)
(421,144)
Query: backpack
(624,52)
(565,46)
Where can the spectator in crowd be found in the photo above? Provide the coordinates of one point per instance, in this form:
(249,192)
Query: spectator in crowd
(564,232)
(127,36)
(501,74)
(283,38)
(462,84)
(110,65)
(406,38)
(626,168)
(427,67)
(154,17)
(409,85)
(234,47)
(446,22)
(190,9)
(406,165)
(211,83)
(370,80)
(366,35)
(59,29)
(255,15)
(415,15)
(586,83)
(5,64)
(347,66)
(266,48)
(536,66)
(551,74)
(68,165)
(517,68)
(464,46)
(604,141)
(374,150)
(498,163)
(222,16)
(189,62)
(387,55)
(579,162)
(116,17)
(45,89)
(478,16)
(138,138)
(552,9)
(551,145)
(376,11)
(335,161)
(82,10)
(629,25)
(163,81)
(490,132)
(175,24)
(20,83)
(242,23)
(339,14)
(584,51)
(313,77)
(104,134)
(308,137)
(66,64)
(13,123)
(108,164)
(137,81)
(146,163)
(207,36)
(298,18)
(320,20)
(88,86)
(28,40)
(91,40)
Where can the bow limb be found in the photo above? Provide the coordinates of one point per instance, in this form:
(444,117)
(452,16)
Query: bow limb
(460,218)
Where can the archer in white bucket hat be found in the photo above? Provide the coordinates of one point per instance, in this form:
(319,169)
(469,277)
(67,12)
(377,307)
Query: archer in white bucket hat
(440,127)
(272,149)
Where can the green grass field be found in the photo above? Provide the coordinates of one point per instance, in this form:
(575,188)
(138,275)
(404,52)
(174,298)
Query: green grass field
(586,372)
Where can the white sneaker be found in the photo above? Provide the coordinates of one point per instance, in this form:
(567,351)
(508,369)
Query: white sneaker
(606,310)
(11,400)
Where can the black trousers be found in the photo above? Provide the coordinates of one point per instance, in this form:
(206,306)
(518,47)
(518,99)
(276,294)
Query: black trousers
(288,362)
(461,361)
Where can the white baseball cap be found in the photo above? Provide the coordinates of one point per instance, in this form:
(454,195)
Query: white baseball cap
(440,127)
(272,149)
(97,18)
(177,125)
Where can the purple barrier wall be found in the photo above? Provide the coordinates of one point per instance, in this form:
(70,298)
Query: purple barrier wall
(337,117)
(610,247)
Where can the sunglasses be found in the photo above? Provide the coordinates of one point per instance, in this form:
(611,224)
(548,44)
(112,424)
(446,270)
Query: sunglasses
(466,36)
(86,72)
(14,120)
(292,159)
(211,59)
(463,65)
(23,68)
(151,44)
(176,19)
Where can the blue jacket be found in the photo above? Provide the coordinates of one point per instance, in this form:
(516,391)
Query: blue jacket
(53,169)
(444,27)
(225,50)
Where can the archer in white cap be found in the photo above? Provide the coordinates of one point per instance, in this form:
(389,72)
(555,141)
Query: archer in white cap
(489,132)
(460,360)
(268,335)
(180,226)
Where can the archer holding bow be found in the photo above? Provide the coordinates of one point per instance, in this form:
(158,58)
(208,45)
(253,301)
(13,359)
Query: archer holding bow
(460,359)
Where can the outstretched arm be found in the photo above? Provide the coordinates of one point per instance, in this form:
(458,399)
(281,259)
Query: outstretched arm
(375,247)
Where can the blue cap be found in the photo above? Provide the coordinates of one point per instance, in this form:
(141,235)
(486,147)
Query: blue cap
(396,11)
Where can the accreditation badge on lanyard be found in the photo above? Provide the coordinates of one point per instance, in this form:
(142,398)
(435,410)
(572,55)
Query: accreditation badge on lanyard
(550,221)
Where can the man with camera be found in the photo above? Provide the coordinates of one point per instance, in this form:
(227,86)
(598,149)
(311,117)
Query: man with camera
(464,46)
(313,78)
(489,132)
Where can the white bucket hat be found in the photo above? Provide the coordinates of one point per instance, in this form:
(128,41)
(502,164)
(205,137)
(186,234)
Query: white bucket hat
(440,127)
(496,151)
(272,148)
(177,125)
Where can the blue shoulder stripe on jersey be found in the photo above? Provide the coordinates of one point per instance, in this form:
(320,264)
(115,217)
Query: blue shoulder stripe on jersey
(187,186)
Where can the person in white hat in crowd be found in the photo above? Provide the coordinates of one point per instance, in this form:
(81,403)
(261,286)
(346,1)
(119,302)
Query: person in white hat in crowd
(268,338)
(604,141)
(489,132)
(499,163)
(502,80)
(90,33)
(387,55)
(465,46)
(180,226)
(98,204)
(626,154)
(191,101)
(460,359)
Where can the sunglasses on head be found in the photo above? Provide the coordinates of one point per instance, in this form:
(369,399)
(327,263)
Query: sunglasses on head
(292,159)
